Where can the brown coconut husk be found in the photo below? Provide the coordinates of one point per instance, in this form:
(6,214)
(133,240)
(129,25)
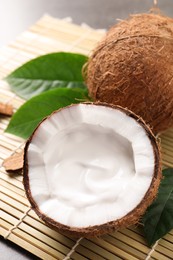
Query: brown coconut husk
(133,67)
(129,219)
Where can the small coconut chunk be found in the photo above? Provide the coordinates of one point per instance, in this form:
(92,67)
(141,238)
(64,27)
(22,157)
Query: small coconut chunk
(87,165)
(14,162)
(6,109)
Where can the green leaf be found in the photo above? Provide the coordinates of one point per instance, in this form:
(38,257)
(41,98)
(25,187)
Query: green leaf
(158,220)
(28,116)
(47,72)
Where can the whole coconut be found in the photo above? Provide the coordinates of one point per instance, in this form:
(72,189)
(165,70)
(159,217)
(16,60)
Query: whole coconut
(133,67)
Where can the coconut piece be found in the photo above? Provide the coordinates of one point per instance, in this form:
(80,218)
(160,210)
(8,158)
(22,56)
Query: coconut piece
(14,162)
(133,67)
(91,168)
(6,109)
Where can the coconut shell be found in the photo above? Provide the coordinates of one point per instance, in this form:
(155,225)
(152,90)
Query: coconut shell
(133,67)
(129,219)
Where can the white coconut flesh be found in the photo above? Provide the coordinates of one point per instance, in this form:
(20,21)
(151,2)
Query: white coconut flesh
(89,164)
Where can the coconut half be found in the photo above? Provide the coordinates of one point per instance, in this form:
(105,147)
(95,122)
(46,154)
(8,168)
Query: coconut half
(91,168)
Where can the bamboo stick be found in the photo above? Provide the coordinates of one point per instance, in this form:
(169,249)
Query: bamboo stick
(12,187)
(50,252)
(27,245)
(99,245)
(132,249)
(87,253)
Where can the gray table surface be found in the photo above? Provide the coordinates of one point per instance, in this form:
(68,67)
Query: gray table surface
(17,15)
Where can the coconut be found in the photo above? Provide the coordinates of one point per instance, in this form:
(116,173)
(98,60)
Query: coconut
(91,168)
(133,67)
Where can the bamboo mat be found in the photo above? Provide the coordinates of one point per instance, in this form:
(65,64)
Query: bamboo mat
(18,222)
